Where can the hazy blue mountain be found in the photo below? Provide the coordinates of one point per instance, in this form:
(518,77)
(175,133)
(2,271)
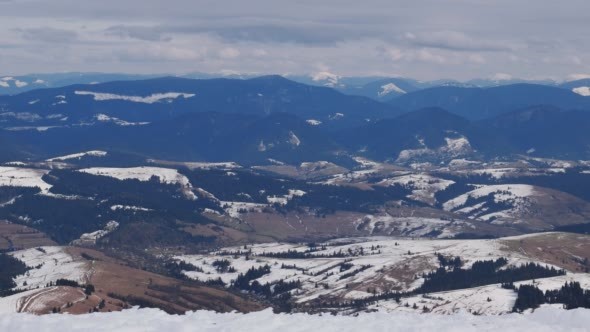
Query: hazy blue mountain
(162,98)
(480,103)
(422,129)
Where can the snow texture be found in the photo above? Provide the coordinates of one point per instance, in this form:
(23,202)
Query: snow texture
(545,319)
(389,88)
(382,255)
(48,264)
(153,98)
(582,91)
(117,121)
(23,177)
(143,173)
(94,153)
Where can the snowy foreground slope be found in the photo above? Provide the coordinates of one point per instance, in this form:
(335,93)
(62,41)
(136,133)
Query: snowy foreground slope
(543,319)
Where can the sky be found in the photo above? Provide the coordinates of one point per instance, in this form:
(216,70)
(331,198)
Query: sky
(422,39)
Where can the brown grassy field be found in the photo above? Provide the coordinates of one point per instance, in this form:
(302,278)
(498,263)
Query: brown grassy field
(13,236)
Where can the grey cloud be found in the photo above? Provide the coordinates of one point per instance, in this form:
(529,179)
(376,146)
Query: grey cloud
(425,39)
(314,33)
(458,41)
(138,32)
(48,35)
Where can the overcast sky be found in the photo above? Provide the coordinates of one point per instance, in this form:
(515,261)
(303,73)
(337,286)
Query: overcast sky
(424,39)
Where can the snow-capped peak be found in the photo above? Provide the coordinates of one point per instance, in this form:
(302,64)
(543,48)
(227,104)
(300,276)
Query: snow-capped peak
(331,80)
(293,139)
(389,88)
(582,91)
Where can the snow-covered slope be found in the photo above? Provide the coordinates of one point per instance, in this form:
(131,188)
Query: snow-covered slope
(382,263)
(546,319)
(491,202)
(153,98)
(423,186)
(48,264)
(23,177)
(143,173)
(583,91)
(454,147)
(94,153)
(388,88)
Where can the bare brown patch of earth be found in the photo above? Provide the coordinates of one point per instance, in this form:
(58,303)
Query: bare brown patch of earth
(394,278)
(225,235)
(403,274)
(555,208)
(16,237)
(297,226)
(566,250)
(119,284)
(310,172)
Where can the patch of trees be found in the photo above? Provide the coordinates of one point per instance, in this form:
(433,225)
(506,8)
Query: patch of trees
(8,193)
(243,280)
(88,257)
(484,273)
(176,268)
(163,198)
(346,266)
(155,232)
(448,277)
(583,228)
(571,295)
(324,199)
(244,186)
(458,188)
(572,181)
(223,266)
(292,267)
(64,220)
(354,272)
(449,262)
(65,282)
(215,282)
(88,288)
(278,293)
(327,199)
(10,267)
(310,254)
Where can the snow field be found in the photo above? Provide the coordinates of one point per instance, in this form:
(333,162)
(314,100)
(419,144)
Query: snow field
(48,265)
(545,319)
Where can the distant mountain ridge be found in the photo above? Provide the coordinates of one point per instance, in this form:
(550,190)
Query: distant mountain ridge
(480,103)
(270,117)
(160,98)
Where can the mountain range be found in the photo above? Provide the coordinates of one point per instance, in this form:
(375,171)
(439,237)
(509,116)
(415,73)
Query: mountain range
(270,117)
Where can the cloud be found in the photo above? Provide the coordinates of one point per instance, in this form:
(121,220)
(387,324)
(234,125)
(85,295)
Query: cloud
(454,40)
(229,53)
(48,34)
(575,77)
(155,52)
(501,77)
(137,32)
(261,30)
(425,39)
